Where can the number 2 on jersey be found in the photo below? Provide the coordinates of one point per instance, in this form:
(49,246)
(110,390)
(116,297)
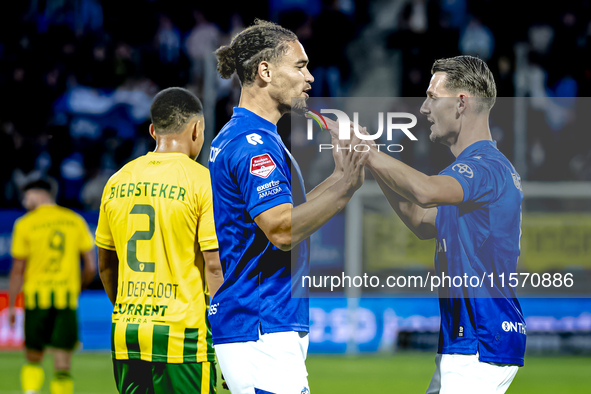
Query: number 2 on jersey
(132,260)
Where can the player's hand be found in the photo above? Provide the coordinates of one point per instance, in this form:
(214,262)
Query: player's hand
(354,158)
(350,155)
(337,154)
(333,127)
(370,143)
(339,145)
(12,317)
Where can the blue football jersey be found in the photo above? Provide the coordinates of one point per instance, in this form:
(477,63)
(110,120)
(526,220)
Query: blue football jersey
(251,172)
(479,237)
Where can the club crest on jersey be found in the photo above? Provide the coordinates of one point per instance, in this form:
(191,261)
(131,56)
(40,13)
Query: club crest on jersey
(262,165)
(463,169)
(516,180)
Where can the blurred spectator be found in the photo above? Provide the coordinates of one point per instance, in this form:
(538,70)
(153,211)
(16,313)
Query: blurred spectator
(410,39)
(92,191)
(88,17)
(203,39)
(417,20)
(228,89)
(331,31)
(124,65)
(453,13)
(278,7)
(72,174)
(477,40)
(168,41)
(503,70)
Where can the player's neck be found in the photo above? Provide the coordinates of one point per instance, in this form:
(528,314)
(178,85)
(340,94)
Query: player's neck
(43,204)
(260,103)
(471,132)
(171,145)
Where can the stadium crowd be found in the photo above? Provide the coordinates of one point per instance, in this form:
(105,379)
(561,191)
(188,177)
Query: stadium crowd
(78,76)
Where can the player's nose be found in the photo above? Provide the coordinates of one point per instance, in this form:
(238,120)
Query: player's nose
(425,107)
(309,76)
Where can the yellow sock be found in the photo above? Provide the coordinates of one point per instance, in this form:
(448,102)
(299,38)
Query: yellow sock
(62,383)
(32,377)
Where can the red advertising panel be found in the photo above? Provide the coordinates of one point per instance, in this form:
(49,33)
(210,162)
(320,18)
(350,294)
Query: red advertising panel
(11,338)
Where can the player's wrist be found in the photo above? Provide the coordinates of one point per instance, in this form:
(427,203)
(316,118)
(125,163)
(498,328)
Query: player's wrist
(372,155)
(346,187)
(337,174)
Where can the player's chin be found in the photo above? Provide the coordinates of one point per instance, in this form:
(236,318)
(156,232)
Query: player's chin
(298,104)
(433,137)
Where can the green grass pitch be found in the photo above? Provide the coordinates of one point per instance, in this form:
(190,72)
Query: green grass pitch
(401,373)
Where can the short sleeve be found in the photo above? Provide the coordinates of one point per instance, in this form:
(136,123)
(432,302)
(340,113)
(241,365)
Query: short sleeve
(206,228)
(20,248)
(103,235)
(477,179)
(85,236)
(261,174)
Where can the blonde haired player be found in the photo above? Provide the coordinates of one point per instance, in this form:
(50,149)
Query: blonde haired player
(46,246)
(157,247)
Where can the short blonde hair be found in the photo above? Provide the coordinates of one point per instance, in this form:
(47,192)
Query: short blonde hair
(471,74)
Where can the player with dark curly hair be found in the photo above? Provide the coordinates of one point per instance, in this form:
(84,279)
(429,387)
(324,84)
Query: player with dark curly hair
(262,212)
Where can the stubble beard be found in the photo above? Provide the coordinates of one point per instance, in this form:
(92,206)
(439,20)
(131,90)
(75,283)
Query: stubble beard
(298,105)
(434,137)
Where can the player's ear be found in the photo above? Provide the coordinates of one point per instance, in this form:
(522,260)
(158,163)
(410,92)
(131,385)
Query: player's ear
(195,131)
(264,71)
(198,128)
(152,132)
(463,102)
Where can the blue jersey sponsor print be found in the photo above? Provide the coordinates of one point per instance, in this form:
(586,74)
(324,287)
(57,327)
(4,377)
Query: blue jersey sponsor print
(478,237)
(251,172)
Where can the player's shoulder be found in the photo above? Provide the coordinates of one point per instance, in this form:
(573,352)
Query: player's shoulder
(37,214)
(493,160)
(471,166)
(23,221)
(70,214)
(242,147)
(245,138)
(127,168)
(193,165)
(194,170)
(487,156)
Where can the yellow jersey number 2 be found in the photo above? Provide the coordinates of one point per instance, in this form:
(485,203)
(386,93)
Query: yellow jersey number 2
(140,235)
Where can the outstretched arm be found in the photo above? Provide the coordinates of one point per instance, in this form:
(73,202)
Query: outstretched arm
(338,162)
(421,189)
(286,226)
(421,221)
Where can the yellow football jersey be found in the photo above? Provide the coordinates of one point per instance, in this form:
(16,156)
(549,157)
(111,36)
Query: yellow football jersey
(157,214)
(51,238)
